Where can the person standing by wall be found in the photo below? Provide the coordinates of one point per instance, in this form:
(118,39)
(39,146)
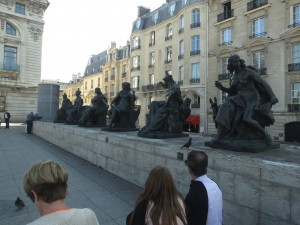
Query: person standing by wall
(29,121)
(204,200)
(6,118)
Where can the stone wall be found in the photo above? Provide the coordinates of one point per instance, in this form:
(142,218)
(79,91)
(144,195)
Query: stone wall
(262,188)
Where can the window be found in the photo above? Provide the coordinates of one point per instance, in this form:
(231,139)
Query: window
(296,15)
(135,82)
(20,8)
(195,48)
(124,69)
(181,23)
(171,9)
(10,58)
(152,58)
(152,38)
(196,16)
(154,17)
(136,42)
(258,27)
(10,29)
(137,24)
(113,71)
(296,53)
(258,60)
(98,82)
(295,93)
(169,31)
(136,62)
(180,73)
(92,84)
(151,79)
(85,85)
(181,49)
(112,90)
(169,54)
(106,90)
(226,36)
(195,73)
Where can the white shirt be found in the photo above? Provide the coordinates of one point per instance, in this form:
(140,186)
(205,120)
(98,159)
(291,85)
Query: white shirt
(215,202)
(65,217)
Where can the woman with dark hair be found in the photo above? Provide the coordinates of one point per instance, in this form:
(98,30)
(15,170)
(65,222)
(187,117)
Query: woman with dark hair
(159,203)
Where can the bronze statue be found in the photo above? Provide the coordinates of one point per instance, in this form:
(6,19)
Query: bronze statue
(123,111)
(62,113)
(96,114)
(167,117)
(76,112)
(241,119)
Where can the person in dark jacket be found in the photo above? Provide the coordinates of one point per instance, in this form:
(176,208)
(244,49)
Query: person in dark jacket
(6,118)
(204,200)
(29,121)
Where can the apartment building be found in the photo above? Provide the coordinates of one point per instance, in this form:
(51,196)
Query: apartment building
(20,55)
(266,34)
(171,38)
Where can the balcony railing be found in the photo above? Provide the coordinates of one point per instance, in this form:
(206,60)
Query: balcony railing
(168,38)
(225,15)
(180,57)
(226,43)
(195,80)
(224,76)
(261,71)
(112,77)
(151,44)
(195,52)
(150,66)
(135,68)
(123,74)
(135,48)
(181,30)
(112,93)
(295,24)
(195,106)
(152,87)
(293,67)
(10,67)
(180,82)
(135,88)
(105,79)
(168,61)
(254,35)
(256,4)
(193,25)
(293,107)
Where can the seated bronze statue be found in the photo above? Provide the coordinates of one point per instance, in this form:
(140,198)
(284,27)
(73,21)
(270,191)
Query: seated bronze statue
(66,106)
(96,114)
(167,116)
(123,112)
(242,117)
(75,113)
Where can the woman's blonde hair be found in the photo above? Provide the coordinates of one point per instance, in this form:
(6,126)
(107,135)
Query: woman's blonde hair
(48,179)
(161,190)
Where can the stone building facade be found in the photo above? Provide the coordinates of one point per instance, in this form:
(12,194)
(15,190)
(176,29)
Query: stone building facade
(20,55)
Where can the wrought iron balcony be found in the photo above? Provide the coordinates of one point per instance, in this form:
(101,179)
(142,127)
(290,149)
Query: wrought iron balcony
(295,24)
(195,52)
(194,80)
(150,66)
(168,61)
(180,57)
(254,35)
(123,74)
(168,38)
(10,67)
(195,106)
(224,76)
(181,30)
(151,44)
(193,25)
(226,43)
(262,71)
(135,48)
(256,4)
(293,67)
(225,15)
(112,77)
(135,68)
(293,107)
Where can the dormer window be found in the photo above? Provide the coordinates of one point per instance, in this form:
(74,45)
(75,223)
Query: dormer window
(137,24)
(171,9)
(154,17)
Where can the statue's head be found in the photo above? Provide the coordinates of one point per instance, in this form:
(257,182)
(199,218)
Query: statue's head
(233,58)
(126,86)
(97,90)
(168,79)
(78,92)
(64,95)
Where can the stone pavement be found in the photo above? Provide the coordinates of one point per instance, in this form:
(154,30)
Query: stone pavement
(111,197)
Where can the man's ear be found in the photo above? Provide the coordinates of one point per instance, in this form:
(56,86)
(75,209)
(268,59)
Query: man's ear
(34,196)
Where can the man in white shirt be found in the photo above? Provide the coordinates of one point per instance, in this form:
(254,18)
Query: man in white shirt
(204,200)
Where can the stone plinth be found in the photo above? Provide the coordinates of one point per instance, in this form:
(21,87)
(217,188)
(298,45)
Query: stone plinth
(258,188)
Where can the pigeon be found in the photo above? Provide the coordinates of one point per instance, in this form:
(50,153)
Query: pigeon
(188,144)
(19,203)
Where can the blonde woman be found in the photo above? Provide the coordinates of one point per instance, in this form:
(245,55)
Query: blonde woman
(159,203)
(46,185)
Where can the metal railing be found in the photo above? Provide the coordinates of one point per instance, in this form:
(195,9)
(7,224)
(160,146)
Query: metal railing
(293,107)
(150,66)
(226,43)
(194,80)
(225,15)
(135,48)
(254,35)
(181,30)
(293,67)
(193,25)
(256,4)
(195,52)
(180,57)
(10,67)
(168,38)
(168,61)
(295,24)
(135,68)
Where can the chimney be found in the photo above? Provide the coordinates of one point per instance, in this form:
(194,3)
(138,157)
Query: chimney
(142,11)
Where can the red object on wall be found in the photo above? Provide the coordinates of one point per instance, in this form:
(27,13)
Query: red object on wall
(193,119)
